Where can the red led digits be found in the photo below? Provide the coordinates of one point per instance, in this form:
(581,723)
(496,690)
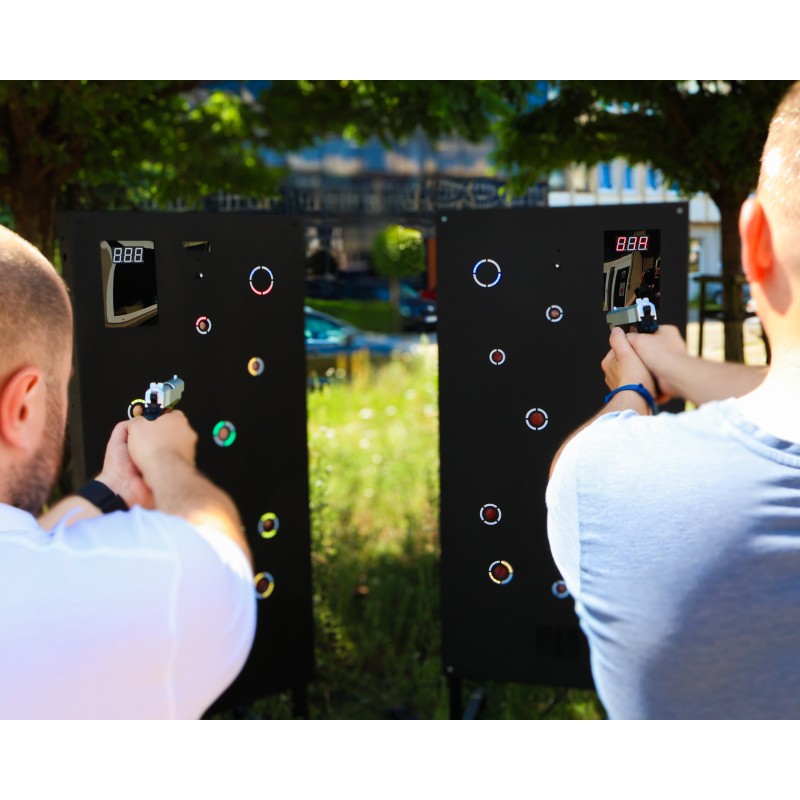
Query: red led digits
(491,514)
(261,280)
(554,313)
(497,357)
(268,525)
(265,585)
(536,419)
(559,589)
(501,572)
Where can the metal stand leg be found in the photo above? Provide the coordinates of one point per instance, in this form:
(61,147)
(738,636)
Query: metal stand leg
(454,690)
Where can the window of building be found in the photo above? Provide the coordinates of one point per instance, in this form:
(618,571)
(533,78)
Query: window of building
(604,176)
(628,178)
(654,178)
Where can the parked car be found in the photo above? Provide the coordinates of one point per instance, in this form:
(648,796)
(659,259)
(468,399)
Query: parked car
(335,349)
(418,313)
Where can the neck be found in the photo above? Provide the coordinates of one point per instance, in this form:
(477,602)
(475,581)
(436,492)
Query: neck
(773,405)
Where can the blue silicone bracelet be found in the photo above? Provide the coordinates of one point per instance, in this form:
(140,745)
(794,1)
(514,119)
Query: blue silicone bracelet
(639,389)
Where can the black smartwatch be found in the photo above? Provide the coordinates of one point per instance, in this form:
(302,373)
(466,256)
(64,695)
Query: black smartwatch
(98,494)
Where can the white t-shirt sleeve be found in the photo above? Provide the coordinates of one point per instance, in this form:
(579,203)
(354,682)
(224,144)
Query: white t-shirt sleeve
(213,616)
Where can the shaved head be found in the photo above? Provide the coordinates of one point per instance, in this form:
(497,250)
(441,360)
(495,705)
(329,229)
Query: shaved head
(779,180)
(35,331)
(35,311)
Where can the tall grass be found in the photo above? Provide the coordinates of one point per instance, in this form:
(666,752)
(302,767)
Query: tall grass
(374,472)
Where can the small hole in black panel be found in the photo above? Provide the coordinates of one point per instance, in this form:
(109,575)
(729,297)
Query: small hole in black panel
(197,247)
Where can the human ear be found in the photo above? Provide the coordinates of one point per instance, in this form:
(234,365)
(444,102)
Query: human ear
(758,255)
(23,409)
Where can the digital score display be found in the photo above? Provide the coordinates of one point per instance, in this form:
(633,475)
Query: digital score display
(130,290)
(631,267)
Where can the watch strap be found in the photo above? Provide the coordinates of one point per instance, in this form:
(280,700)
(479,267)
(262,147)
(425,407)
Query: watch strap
(98,494)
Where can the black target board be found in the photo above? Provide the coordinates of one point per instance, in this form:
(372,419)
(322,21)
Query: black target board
(216,299)
(522,332)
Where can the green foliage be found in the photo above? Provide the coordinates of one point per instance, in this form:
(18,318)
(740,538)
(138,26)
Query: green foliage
(371,315)
(117,144)
(390,110)
(374,473)
(398,252)
(706,135)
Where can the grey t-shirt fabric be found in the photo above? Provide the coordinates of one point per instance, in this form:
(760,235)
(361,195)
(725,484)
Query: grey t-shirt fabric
(679,538)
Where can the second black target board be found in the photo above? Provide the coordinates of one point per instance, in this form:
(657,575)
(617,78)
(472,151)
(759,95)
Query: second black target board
(523,297)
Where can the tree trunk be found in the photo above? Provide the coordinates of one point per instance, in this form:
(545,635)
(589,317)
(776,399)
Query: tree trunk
(729,202)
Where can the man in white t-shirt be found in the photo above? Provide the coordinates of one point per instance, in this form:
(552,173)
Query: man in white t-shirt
(133,598)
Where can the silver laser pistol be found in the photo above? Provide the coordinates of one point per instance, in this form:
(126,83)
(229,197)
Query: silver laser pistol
(160,397)
(642,314)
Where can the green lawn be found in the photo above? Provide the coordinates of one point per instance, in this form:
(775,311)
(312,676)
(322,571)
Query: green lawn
(374,472)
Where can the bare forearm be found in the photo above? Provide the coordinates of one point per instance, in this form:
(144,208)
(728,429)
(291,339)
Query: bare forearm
(700,381)
(179,489)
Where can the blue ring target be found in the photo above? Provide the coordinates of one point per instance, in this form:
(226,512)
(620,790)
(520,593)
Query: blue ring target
(475,273)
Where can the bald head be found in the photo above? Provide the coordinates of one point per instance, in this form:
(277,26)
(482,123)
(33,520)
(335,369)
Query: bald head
(35,310)
(779,180)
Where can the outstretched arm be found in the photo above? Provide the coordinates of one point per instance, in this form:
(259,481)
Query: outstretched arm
(693,379)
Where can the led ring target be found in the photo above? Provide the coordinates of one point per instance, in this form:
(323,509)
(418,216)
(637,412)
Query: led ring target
(501,572)
(268,525)
(255,366)
(265,585)
(256,273)
(490,514)
(497,357)
(554,313)
(136,408)
(202,325)
(496,278)
(536,419)
(224,433)
(559,589)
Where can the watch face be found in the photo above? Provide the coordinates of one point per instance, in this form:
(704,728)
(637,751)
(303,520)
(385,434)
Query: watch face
(130,292)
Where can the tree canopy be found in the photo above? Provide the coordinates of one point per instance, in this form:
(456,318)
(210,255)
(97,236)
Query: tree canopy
(706,136)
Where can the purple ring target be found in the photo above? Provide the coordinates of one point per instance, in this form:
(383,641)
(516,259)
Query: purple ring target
(255,273)
(490,514)
(536,419)
(554,313)
(559,590)
(497,357)
(501,572)
(480,282)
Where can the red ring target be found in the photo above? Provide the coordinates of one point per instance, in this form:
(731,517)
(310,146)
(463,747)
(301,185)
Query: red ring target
(497,357)
(202,325)
(491,514)
(536,419)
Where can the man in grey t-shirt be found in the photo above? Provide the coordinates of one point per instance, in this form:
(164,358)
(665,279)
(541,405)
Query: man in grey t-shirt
(679,535)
